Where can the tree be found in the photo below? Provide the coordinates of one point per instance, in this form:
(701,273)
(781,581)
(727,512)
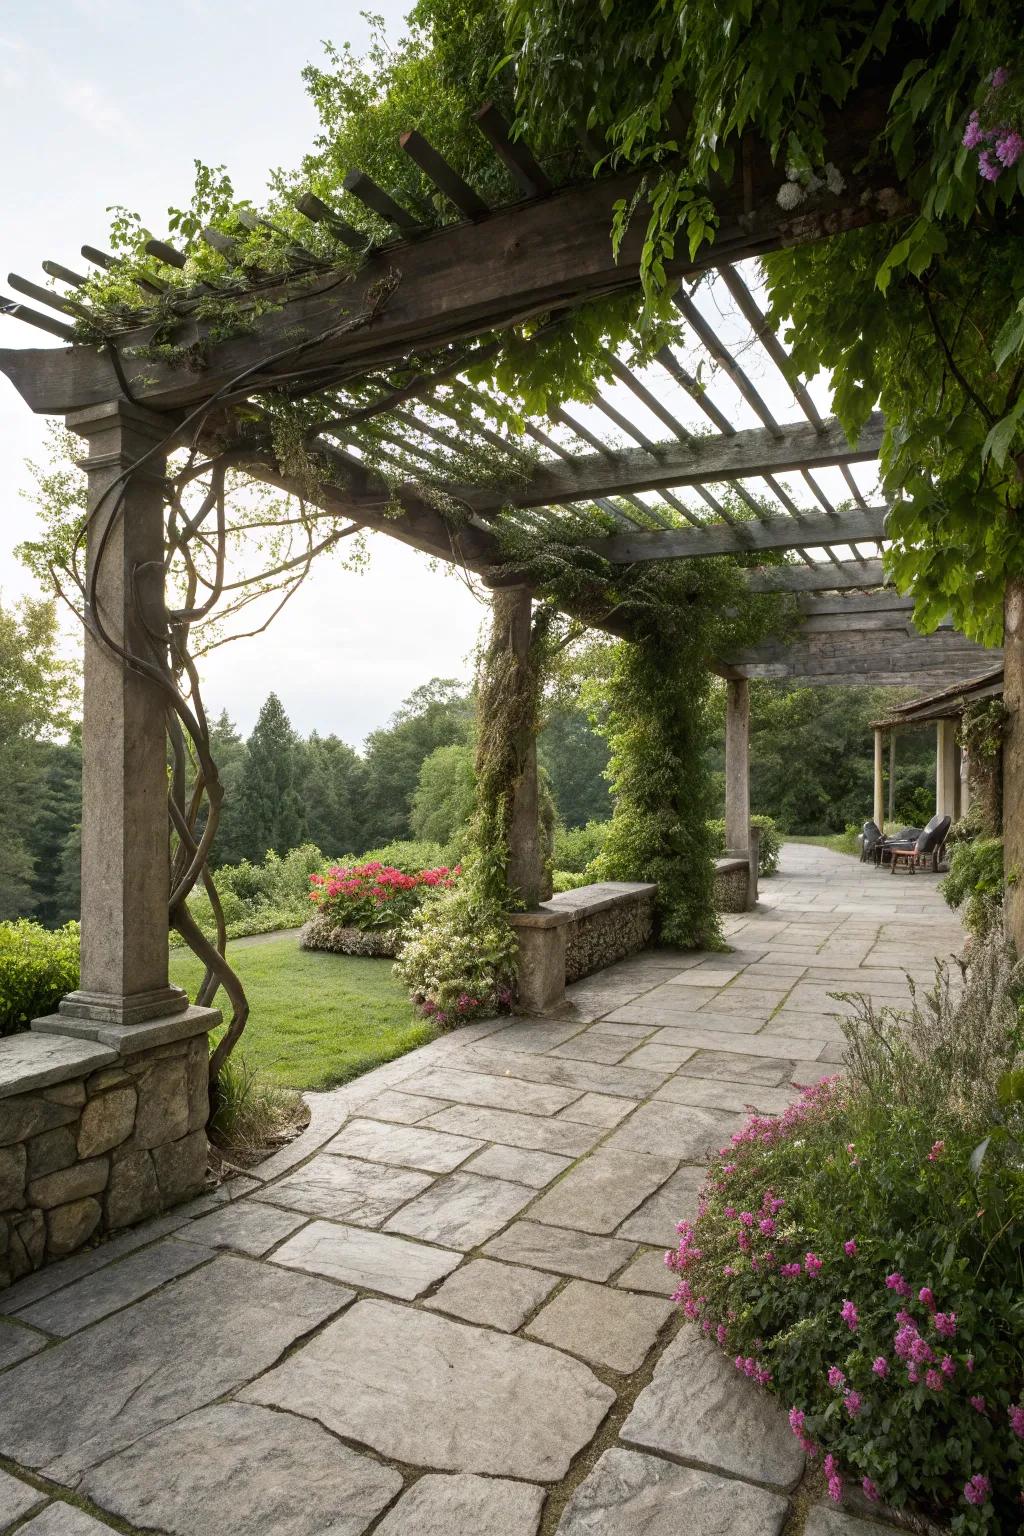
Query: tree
(445,795)
(334,778)
(230,754)
(271,806)
(37,690)
(575,758)
(53,834)
(435,715)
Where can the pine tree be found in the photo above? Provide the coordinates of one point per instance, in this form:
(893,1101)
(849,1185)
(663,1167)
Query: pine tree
(229,753)
(272,810)
(56,883)
(333,778)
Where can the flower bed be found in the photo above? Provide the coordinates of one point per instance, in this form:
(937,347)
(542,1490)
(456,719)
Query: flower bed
(360,909)
(868,1271)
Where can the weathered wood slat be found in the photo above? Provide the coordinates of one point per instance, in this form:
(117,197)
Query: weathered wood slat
(646,397)
(33,317)
(710,460)
(818,577)
(363,187)
(447,180)
(674,368)
(756,319)
(316,210)
(516,156)
(63,274)
(779,532)
(470,278)
(725,360)
(165,253)
(110,263)
(45,296)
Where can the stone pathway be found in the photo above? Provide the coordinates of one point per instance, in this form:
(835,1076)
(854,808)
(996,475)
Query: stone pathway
(444,1311)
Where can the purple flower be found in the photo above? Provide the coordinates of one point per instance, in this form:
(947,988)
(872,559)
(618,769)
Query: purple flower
(969,1363)
(789,1271)
(767,1226)
(933,1381)
(850,1248)
(972,133)
(830,1467)
(721,1333)
(836,1377)
(948,1366)
(852,1404)
(812,1264)
(921,1351)
(977,1490)
(870,1490)
(938,1147)
(895,1282)
(999,77)
(988,167)
(926,1298)
(1009,148)
(730,1212)
(747,1218)
(1016,1413)
(945,1324)
(978,1404)
(848,1313)
(880,1366)
(797,1419)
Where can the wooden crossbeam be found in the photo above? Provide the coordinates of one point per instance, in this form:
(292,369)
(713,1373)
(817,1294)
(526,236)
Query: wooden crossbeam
(818,577)
(470,278)
(705,461)
(778,532)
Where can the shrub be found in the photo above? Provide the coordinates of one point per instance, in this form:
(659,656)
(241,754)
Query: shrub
(409,856)
(916,807)
(458,958)
(975,882)
(37,967)
(259,898)
(576,847)
(250,1113)
(568,880)
(860,1256)
(770,848)
(374,896)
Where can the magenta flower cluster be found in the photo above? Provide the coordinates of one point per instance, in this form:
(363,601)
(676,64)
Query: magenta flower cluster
(999,145)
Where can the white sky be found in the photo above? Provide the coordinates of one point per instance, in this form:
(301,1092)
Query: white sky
(109,101)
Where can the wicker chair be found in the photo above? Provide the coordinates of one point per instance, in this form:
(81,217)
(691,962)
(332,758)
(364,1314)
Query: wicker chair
(927,847)
(870,835)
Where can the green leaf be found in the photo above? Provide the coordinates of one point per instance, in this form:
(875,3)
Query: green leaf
(997,444)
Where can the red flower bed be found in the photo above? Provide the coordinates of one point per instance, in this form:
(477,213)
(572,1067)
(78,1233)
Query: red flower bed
(375,895)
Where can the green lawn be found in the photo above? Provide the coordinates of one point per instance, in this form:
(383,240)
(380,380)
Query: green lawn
(316,1020)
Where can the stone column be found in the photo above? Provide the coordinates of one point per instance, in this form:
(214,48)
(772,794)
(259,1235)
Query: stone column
(1013,760)
(892,775)
(947,769)
(513,608)
(879,810)
(737,766)
(125,841)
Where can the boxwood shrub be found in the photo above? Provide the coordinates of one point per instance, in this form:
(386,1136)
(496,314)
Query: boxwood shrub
(37,967)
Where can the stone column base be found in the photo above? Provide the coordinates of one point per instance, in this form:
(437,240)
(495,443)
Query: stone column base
(542,938)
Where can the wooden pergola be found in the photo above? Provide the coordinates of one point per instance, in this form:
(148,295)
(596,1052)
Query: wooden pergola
(429,299)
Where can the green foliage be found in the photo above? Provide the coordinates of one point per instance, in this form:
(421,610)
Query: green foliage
(270,803)
(568,880)
(575,758)
(259,898)
(576,848)
(409,855)
(458,958)
(333,778)
(770,846)
(438,714)
(37,968)
(250,1112)
(374,897)
(445,795)
(916,807)
(975,882)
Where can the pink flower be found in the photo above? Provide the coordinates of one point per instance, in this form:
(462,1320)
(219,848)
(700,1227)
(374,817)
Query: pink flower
(1009,148)
(766,1226)
(938,1147)
(977,1490)
(848,1313)
(988,167)
(969,1363)
(999,77)
(850,1248)
(746,1217)
(852,1404)
(880,1366)
(1016,1413)
(944,1324)
(797,1419)
(789,1271)
(948,1366)
(926,1298)
(730,1212)
(972,133)
(721,1333)
(895,1282)
(870,1490)
(836,1378)
(812,1264)
(978,1404)
(830,1467)
(933,1381)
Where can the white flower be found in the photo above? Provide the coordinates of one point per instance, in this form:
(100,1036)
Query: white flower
(834,179)
(790,195)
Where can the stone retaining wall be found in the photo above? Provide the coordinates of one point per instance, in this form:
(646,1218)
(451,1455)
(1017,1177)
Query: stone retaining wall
(98,1140)
(600,937)
(321,933)
(732,879)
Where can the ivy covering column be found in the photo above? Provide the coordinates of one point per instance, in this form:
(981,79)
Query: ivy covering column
(1013,760)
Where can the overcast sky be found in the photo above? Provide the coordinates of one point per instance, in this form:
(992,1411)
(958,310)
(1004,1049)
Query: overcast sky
(109,102)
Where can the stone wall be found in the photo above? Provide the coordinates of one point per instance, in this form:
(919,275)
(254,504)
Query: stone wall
(732,877)
(97,1141)
(321,933)
(599,938)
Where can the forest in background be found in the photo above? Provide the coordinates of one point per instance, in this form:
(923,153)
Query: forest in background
(811,769)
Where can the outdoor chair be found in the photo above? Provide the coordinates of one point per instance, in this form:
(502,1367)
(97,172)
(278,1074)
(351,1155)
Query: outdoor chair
(871,834)
(906,836)
(926,848)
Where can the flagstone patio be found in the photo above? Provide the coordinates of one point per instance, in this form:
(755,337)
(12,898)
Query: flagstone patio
(444,1310)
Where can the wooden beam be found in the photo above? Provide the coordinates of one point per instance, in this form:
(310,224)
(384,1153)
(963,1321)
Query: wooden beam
(708,460)
(779,532)
(819,577)
(464,280)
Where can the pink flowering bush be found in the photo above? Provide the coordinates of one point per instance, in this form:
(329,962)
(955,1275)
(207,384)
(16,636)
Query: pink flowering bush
(374,896)
(993,129)
(848,1256)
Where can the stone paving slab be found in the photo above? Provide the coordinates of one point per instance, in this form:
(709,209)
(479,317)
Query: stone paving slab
(656,1220)
(699,1409)
(583,1076)
(402,1108)
(64,1520)
(628,1494)
(370,1260)
(464,1505)
(649,1272)
(346,1190)
(492,1092)
(202,1336)
(420,1388)
(564,1252)
(605,1327)
(249,1228)
(117,1286)
(402,1146)
(239,1470)
(17,1344)
(768,1071)
(462,1210)
(693,1133)
(603,1190)
(515,1130)
(711,1093)
(17,1499)
(533,1168)
(596,1109)
(497,1295)
(744,1045)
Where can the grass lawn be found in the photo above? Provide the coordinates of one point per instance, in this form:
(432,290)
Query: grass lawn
(316,1020)
(839,842)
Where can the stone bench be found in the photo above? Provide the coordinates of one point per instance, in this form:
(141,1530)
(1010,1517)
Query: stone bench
(735,888)
(577,933)
(99,1129)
